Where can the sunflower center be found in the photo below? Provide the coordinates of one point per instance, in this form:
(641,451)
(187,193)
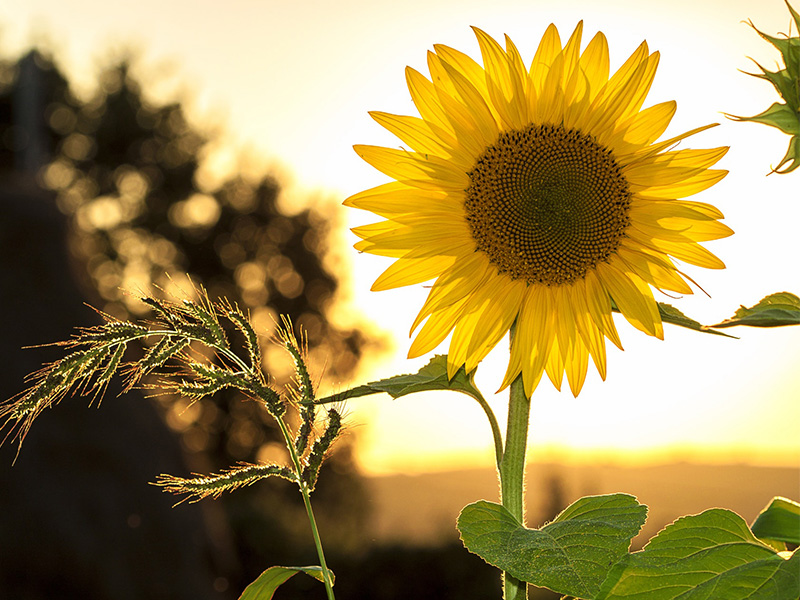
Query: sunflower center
(546,204)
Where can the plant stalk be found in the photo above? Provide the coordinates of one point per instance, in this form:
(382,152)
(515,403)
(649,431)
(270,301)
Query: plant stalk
(287,438)
(326,574)
(512,471)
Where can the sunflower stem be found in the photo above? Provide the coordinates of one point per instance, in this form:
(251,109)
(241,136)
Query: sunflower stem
(512,471)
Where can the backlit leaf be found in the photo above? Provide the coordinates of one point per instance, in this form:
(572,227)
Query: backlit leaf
(571,555)
(780,521)
(774,310)
(705,556)
(670,314)
(432,376)
(265,585)
(785,116)
(778,115)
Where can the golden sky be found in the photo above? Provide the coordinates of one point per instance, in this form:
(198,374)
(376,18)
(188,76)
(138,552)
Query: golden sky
(291,83)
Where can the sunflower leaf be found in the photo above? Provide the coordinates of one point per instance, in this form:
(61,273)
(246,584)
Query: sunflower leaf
(571,555)
(775,310)
(778,115)
(670,314)
(792,157)
(780,521)
(710,555)
(785,116)
(263,588)
(432,376)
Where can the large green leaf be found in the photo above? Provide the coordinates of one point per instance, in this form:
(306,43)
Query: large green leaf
(775,310)
(571,555)
(780,521)
(263,588)
(712,555)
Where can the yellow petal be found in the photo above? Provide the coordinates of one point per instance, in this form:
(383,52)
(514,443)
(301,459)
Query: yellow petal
(554,366)
(495,319)
(653,270)
(656,210)
(566,329)
(595,64)
(367,231)
(590,332)
(436,329)
(599,304)
(425,138)
(571,52)
(642,129)
(676,229)
(412,168)
(397,198)
(576,366)
(474,106)
(505,88)
(626,71)
(464,118)
(550,103)
(425,99)
(411,271)
(549,48)
(690,252)
(487,317)
(671,167)
(633,298)
(687,187)
(661,146)
(519,76)
(455,284)
(611,109)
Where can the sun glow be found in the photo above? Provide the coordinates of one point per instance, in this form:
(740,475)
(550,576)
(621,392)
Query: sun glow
(299,97)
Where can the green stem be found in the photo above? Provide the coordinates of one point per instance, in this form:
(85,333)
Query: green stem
(496,435)
(326,574)
(512,471)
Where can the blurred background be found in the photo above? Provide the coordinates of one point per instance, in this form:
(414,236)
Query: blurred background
(141,146)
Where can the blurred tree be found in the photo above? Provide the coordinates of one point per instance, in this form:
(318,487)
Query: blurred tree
(125,172)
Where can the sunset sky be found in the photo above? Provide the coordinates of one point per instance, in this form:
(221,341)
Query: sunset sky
(289,84)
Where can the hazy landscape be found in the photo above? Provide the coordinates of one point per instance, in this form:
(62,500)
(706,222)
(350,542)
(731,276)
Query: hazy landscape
(422,509)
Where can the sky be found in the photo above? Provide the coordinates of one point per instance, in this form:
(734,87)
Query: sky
(289,84)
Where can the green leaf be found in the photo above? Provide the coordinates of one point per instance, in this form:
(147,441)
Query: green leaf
(705,556)
(780,521)
(788,47)
(792,157)
(571,555)
(778,115)
(774,310)
(265,585)
(670,314)
(785,117)
(432,376)
(785,84)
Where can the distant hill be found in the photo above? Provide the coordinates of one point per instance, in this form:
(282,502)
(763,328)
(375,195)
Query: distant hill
(422,509)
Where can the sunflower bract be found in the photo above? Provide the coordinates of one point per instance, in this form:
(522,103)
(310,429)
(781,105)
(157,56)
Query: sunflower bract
(536,195)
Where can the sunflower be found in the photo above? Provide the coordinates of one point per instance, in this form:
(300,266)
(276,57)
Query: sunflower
(537,197)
